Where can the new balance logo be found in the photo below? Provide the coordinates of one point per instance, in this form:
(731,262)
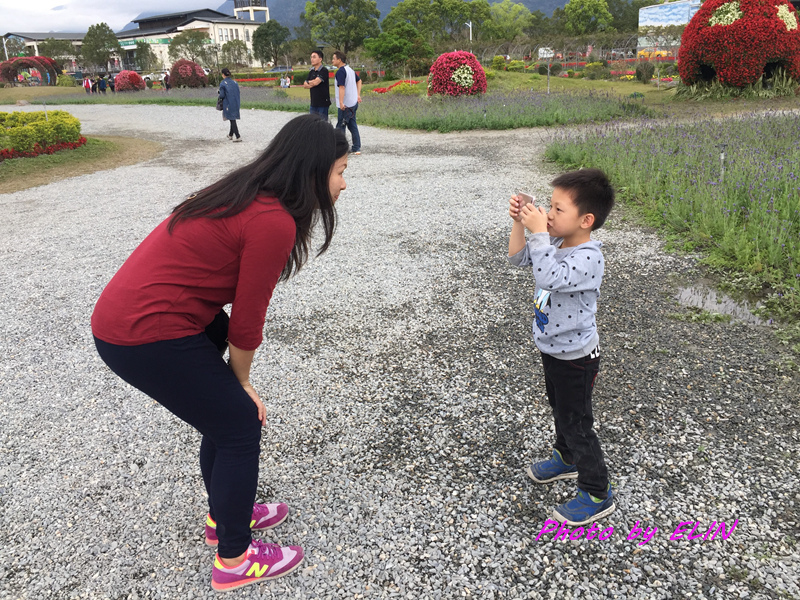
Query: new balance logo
(257,570)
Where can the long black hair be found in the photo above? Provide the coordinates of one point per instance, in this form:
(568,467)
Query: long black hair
(295,168)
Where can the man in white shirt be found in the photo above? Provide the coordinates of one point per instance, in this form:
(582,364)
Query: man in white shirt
(348,96)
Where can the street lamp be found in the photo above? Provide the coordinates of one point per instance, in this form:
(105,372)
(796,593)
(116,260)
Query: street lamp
(4,47)
(469,24)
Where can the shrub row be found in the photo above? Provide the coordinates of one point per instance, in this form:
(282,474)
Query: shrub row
(6,154)
(25,131)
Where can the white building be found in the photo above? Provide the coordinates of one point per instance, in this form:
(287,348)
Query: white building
(159,30)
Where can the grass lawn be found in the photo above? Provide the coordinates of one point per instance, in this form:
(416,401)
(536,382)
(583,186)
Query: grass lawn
(33,93)
(98,154)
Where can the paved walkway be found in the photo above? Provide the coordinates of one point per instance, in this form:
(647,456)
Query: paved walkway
(404,396)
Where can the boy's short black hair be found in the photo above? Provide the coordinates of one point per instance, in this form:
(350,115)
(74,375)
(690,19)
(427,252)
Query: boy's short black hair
(318,53)
(591,192)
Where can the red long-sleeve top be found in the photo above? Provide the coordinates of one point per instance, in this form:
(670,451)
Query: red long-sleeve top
(174,284)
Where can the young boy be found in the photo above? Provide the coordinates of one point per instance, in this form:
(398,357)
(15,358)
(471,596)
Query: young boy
(568,269)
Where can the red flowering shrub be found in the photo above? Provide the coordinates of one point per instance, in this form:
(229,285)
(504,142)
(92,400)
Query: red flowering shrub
(187,73)
(44,64)
(128,81)
(457,74)
(735,40)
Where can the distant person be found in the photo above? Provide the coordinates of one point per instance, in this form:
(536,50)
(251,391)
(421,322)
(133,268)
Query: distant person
(567,267)
(94,85)
(167,86)
(101,84)
(160,326)
(229,92)
(111,83)
(348,97)
(87,85)
(317,83)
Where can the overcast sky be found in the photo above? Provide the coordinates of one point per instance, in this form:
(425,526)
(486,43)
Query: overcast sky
(78,15)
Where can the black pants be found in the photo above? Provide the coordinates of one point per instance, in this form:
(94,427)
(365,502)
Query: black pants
(234,129)
(189,377)
(569,389)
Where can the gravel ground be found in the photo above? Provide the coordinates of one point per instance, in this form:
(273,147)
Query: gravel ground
(405,397)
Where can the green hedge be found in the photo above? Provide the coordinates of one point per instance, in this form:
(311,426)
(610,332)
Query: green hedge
(66,81)
(24,130)
(299,77)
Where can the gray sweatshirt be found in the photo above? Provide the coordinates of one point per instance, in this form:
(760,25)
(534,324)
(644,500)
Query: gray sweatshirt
(567,287)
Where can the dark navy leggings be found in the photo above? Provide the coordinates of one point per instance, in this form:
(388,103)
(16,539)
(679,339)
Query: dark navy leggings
(189,377)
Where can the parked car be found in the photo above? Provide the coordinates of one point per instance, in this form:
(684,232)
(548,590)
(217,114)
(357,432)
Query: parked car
(620,54)
(154,77)
(647,53)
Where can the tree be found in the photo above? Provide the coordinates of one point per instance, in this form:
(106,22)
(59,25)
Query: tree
(439,20)
(145,57)
(538,25)
(15,46)
(420,14)
(269,41)
(190,44)
(398,45)
(558,21)
(61,51)
(508,20)
(344,24)
(235,53)
(586,16)
(100,45)
(303,43)
(625,13)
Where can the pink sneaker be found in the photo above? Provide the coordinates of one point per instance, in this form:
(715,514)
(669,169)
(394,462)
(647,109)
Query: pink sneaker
(265,516)
(261,563)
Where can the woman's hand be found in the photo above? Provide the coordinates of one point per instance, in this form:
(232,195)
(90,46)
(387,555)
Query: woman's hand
(262,411)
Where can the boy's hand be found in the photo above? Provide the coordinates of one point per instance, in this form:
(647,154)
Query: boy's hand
(513,209)
(534,218)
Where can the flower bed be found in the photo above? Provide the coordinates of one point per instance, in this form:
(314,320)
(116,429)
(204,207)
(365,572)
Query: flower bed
(32,134)
(382,90)
(37,150)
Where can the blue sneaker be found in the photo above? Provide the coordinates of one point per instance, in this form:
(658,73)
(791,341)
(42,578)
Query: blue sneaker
(552,469)
(584,509)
